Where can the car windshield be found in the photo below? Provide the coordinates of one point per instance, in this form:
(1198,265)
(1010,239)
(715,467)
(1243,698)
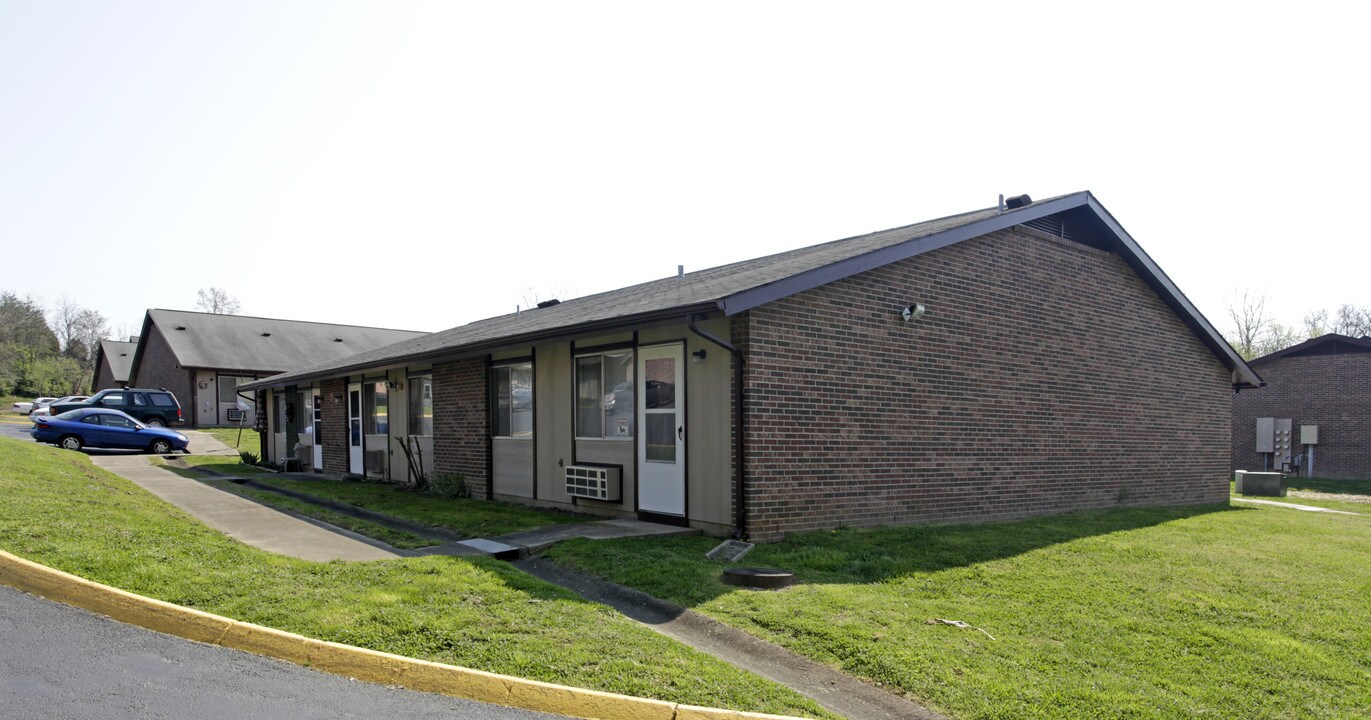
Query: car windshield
(69,415)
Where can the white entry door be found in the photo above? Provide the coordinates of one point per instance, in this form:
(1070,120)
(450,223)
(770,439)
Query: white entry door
(355,429)
(316,415)
(661,430)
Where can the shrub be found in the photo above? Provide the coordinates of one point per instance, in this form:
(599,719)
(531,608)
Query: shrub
(249,458)
(453,485)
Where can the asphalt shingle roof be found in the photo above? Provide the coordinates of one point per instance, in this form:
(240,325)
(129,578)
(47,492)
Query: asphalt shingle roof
(237,342)
(740,285)
(119,356)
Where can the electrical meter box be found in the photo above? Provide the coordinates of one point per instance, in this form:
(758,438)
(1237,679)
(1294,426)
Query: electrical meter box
(1274,436)
(1309,434)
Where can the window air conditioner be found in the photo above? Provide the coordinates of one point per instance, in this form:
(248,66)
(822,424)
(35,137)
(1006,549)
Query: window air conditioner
(594,482)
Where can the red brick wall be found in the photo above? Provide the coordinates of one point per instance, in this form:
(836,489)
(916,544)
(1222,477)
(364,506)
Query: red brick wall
(157,368)
(333,421)
(1045,377)
(1331,391)
(461,423)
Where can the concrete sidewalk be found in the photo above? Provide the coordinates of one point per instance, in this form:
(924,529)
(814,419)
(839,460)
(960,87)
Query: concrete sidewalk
(244,520)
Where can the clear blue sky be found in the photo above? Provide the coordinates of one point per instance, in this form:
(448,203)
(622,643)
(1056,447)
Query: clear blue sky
(422,165)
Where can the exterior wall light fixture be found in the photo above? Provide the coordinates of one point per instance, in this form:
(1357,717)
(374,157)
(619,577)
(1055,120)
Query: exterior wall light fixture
(698,355)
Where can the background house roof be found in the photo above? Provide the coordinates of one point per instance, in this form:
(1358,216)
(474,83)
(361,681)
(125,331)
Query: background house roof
(1327,344)
(736,287)
(119,355)
(237,342)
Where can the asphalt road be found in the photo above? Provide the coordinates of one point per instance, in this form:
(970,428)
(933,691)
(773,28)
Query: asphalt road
(17,430)
(58,661)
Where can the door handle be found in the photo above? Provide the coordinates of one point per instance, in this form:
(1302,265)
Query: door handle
(680,433)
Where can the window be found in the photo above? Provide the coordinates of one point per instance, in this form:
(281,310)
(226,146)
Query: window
(511,400)
(114,398)
(228,389)
(119,422)
(140,400)
(162,400)
(421,405)
(604,395)
(377,399)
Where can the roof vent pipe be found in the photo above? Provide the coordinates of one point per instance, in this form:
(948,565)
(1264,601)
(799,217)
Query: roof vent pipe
(680,271)
(1017,201)
(1001,205)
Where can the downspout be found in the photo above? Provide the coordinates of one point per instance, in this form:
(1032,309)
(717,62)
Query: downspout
(739,509)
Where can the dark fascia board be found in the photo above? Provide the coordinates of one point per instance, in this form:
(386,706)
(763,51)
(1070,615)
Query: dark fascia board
(1313,343)
(748,299)
(566,332)
(1243,376)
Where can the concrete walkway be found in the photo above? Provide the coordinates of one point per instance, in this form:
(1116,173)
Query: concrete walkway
(1293,506)
(244,520)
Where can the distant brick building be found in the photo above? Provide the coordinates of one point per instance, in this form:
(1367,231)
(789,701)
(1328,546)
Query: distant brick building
(112,361)
(1325,382)
(1003,363)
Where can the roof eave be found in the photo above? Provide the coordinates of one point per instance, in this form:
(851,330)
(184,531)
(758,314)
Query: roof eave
(480,348)
(1243,375)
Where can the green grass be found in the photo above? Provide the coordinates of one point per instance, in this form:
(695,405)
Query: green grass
(251,439)
(473,518)
(221,463)
(62,511)
(1340,487)
(1128,613)
(1358,489)
(392,537)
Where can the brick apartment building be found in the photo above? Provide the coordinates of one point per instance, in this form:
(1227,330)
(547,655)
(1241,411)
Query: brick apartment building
(1324,382)
(1020,360)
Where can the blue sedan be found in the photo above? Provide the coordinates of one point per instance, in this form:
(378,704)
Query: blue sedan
(102,428)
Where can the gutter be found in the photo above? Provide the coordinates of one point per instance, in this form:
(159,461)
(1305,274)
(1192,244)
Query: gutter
(739,418)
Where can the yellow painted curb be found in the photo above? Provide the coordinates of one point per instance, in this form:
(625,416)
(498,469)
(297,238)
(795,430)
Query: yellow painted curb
(360,663)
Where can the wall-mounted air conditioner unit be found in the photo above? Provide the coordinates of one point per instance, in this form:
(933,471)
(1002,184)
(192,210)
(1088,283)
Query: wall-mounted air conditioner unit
(594,482)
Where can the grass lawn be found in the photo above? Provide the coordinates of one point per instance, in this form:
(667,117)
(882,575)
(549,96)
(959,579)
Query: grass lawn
(394,538)
(251,439)
(474,518)
(62,511)
(1348,495)
(1130,613)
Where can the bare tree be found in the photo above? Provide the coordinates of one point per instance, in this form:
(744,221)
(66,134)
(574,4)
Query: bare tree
(532,295)
(1352,320)
(1250,322)
(1316,323)
(218,301)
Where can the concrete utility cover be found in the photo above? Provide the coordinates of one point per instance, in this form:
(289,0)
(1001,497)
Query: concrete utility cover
(763,578)
(496,549)
(730,551)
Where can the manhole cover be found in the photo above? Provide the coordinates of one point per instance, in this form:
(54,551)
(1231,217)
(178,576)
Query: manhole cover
(764,578)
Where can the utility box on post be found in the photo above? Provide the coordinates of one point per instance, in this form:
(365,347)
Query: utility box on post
(1309,434)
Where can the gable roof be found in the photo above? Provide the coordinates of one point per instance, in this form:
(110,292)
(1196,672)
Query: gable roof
(253,344)
(737,287)
(1327,344)
(119,355)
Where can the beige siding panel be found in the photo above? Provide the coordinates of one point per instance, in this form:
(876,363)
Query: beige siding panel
(514,354)
(616,339)
(552,393)
(513,467)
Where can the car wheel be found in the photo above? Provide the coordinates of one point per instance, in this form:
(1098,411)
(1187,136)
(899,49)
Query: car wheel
(156,422)
(69,442)
(161,447)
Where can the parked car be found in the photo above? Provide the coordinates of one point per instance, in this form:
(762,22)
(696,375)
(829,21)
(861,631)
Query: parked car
(24,408)
(101,428)
(47,408)
(157,408)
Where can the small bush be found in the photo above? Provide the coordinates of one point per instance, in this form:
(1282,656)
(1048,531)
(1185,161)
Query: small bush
(249,458)
(453,485)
